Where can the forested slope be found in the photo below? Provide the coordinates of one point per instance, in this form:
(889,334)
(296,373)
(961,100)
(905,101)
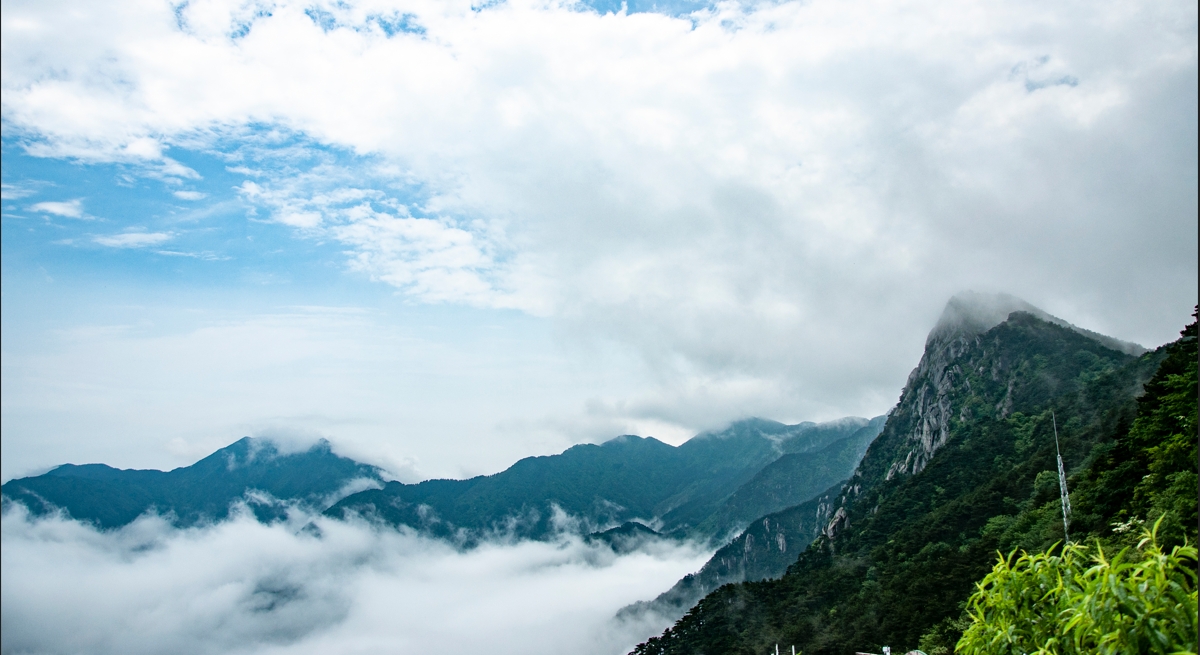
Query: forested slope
(964,467)
(789,511)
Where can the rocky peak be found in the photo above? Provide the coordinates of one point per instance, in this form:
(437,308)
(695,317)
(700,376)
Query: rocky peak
(970,313)
(937,390)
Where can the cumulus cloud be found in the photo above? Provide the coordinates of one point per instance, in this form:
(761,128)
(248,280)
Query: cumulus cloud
(769,201)
(190,195)
(64,208)
(133,239)
(242,587)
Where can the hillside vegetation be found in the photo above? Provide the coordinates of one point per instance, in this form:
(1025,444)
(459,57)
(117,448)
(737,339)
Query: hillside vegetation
(965,468)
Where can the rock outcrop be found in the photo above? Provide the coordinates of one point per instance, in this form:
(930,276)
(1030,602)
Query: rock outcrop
(962,375)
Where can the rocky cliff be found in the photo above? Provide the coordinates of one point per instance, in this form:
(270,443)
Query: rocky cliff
(963,375)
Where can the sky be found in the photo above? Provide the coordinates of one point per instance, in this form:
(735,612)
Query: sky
(447,235)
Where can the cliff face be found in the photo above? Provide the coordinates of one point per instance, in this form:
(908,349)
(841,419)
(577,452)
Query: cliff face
(944,486)
(966,373)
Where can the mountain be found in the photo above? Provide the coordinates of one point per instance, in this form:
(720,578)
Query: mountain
(791,480)
(783,508)
(251,470)
(971,313)
(763,550)
(625,538)
(965,466)
(675,489)
(586,488)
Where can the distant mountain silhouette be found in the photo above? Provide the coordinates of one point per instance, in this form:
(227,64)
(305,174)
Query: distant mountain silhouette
(253,471)
(627,537)
(709,487)
(704,488)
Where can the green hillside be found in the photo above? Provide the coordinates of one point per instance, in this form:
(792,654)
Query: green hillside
(763,550)
(792,479)
(964,467)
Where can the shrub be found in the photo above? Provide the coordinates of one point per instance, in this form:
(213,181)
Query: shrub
(1079,601)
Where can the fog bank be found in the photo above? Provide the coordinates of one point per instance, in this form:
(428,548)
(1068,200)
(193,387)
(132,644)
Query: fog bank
(244,587)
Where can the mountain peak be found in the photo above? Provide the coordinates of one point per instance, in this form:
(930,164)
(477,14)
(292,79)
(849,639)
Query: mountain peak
(970,312)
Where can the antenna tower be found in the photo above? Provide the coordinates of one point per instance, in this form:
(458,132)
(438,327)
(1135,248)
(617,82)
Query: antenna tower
(1062,484)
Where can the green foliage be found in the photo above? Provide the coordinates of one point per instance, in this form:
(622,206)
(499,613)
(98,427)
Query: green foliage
(1078,601)
(937,639)
(1149,473)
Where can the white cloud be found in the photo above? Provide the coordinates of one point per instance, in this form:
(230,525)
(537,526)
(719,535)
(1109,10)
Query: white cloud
(15,191)
(65,208)
(190,195)
(241,587)
(770,202)
(205,255)
(303,220)
(171,168)
(435,259)
(133,239)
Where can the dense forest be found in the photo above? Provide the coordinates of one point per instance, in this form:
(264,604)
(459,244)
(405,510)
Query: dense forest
(965,469)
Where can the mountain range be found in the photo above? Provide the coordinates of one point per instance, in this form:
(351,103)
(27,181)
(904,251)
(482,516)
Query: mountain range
(833,537)
(709,487)
(253,472)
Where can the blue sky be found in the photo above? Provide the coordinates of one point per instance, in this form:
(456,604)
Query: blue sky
(447,235)
(197,228)
(202,239)
(214,260)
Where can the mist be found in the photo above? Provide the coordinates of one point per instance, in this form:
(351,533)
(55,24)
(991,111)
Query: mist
(314,585)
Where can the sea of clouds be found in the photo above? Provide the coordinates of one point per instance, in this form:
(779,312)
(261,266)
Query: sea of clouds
(314,585)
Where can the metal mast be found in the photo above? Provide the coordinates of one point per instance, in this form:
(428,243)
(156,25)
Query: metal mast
(1062,484)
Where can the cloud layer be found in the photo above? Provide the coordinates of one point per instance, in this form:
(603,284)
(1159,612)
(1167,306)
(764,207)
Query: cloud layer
(242,587)
(767,202)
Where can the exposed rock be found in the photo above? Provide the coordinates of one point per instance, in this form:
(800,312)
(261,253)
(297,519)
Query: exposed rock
(937,390)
